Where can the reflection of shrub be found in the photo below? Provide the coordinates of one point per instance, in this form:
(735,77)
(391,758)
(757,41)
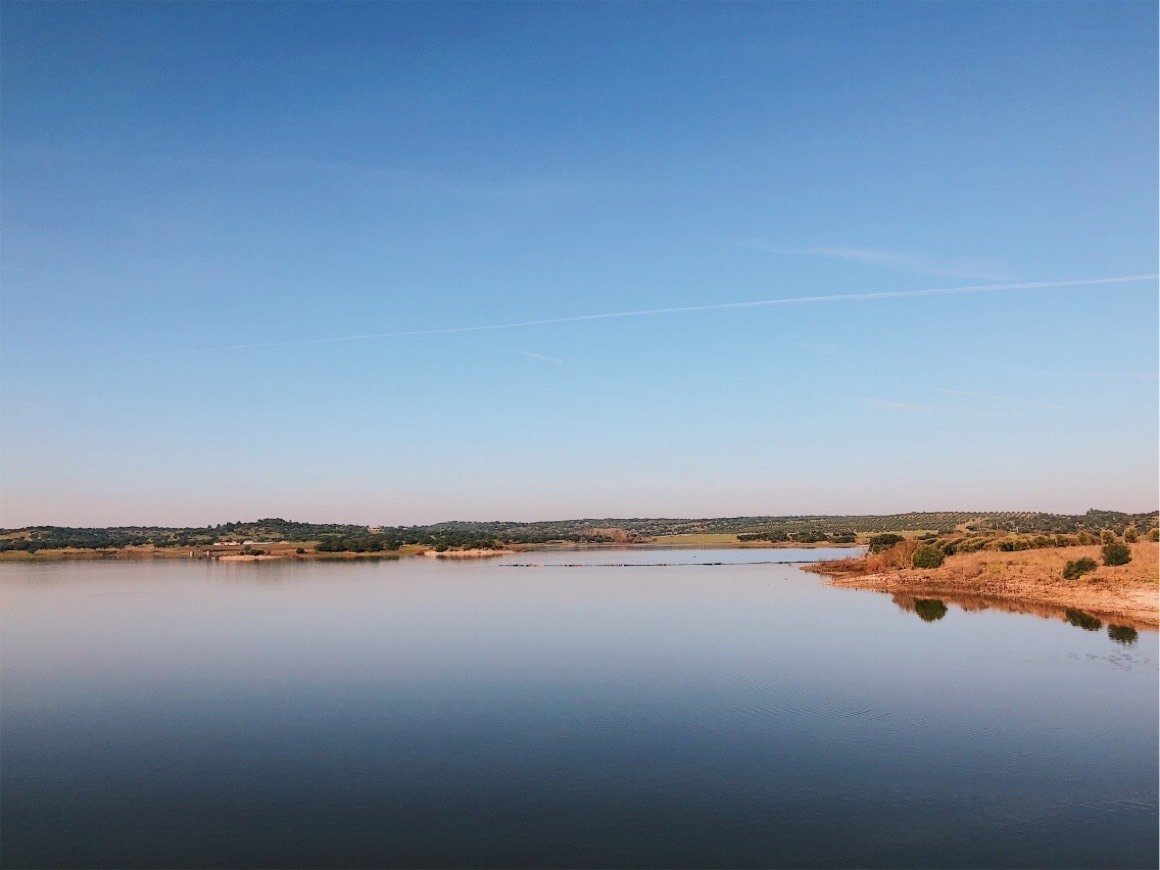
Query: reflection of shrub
(1116,553)
(927,556)
(930,609)
(1083,620)
(1122,634)
(1075,569)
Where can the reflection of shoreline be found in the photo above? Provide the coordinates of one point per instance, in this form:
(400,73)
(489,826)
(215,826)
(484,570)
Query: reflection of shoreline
(908,598)
(934,609)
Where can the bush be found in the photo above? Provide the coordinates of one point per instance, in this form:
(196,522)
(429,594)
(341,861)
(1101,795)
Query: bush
(301,551)
(927,557)
(1154,534)
(1130,535)
(1116,553)
(1075,569)
(1107,536)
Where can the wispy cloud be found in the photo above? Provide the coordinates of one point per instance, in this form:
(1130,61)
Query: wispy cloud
(543,358)
(903,261)
(688,309)
(992,397)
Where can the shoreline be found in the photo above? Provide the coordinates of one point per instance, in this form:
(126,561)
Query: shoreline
(1027,581)
(287,550)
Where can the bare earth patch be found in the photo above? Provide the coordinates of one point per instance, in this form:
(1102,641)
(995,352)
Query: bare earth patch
(1028,581)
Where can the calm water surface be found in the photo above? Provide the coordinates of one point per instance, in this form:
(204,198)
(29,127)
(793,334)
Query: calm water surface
(578,709)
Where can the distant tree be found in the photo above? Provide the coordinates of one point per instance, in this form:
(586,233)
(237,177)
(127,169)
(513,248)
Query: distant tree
(1116,553)
(927,556)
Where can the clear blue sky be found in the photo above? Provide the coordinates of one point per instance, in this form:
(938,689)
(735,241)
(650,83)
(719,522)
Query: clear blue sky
(179,180)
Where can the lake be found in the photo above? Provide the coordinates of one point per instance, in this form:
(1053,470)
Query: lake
(599,708)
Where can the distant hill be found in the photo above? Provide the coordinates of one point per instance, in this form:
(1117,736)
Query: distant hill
(789,529)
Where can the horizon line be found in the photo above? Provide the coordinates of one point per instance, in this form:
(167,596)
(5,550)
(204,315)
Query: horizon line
(806,516)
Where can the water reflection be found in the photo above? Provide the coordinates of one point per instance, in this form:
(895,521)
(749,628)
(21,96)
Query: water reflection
(423,713)
(930,609)
(933,609)
(927,609)
(1123,634)
(1083,620)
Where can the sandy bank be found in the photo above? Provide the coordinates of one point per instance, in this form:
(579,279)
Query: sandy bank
(466,554)
(1030,581)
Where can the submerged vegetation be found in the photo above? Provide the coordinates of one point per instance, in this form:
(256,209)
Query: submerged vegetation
(899,535)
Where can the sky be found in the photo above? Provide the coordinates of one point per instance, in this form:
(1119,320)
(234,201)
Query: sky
(246,252)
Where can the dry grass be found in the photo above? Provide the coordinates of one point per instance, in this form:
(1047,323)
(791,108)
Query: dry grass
(695,540)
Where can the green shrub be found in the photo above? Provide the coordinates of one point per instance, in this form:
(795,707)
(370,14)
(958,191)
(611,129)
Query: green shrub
(1075,569)
(1107,536)
(1130,535)
(927,556)
(1154,534)
(1116,553)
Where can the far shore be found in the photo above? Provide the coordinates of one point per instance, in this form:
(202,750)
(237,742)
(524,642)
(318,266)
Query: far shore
(289,550)
(1027,581)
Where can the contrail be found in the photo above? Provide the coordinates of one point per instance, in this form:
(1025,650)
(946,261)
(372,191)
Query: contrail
(683,309)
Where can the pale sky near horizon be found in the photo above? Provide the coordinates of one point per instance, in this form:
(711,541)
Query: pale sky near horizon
(401,263)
